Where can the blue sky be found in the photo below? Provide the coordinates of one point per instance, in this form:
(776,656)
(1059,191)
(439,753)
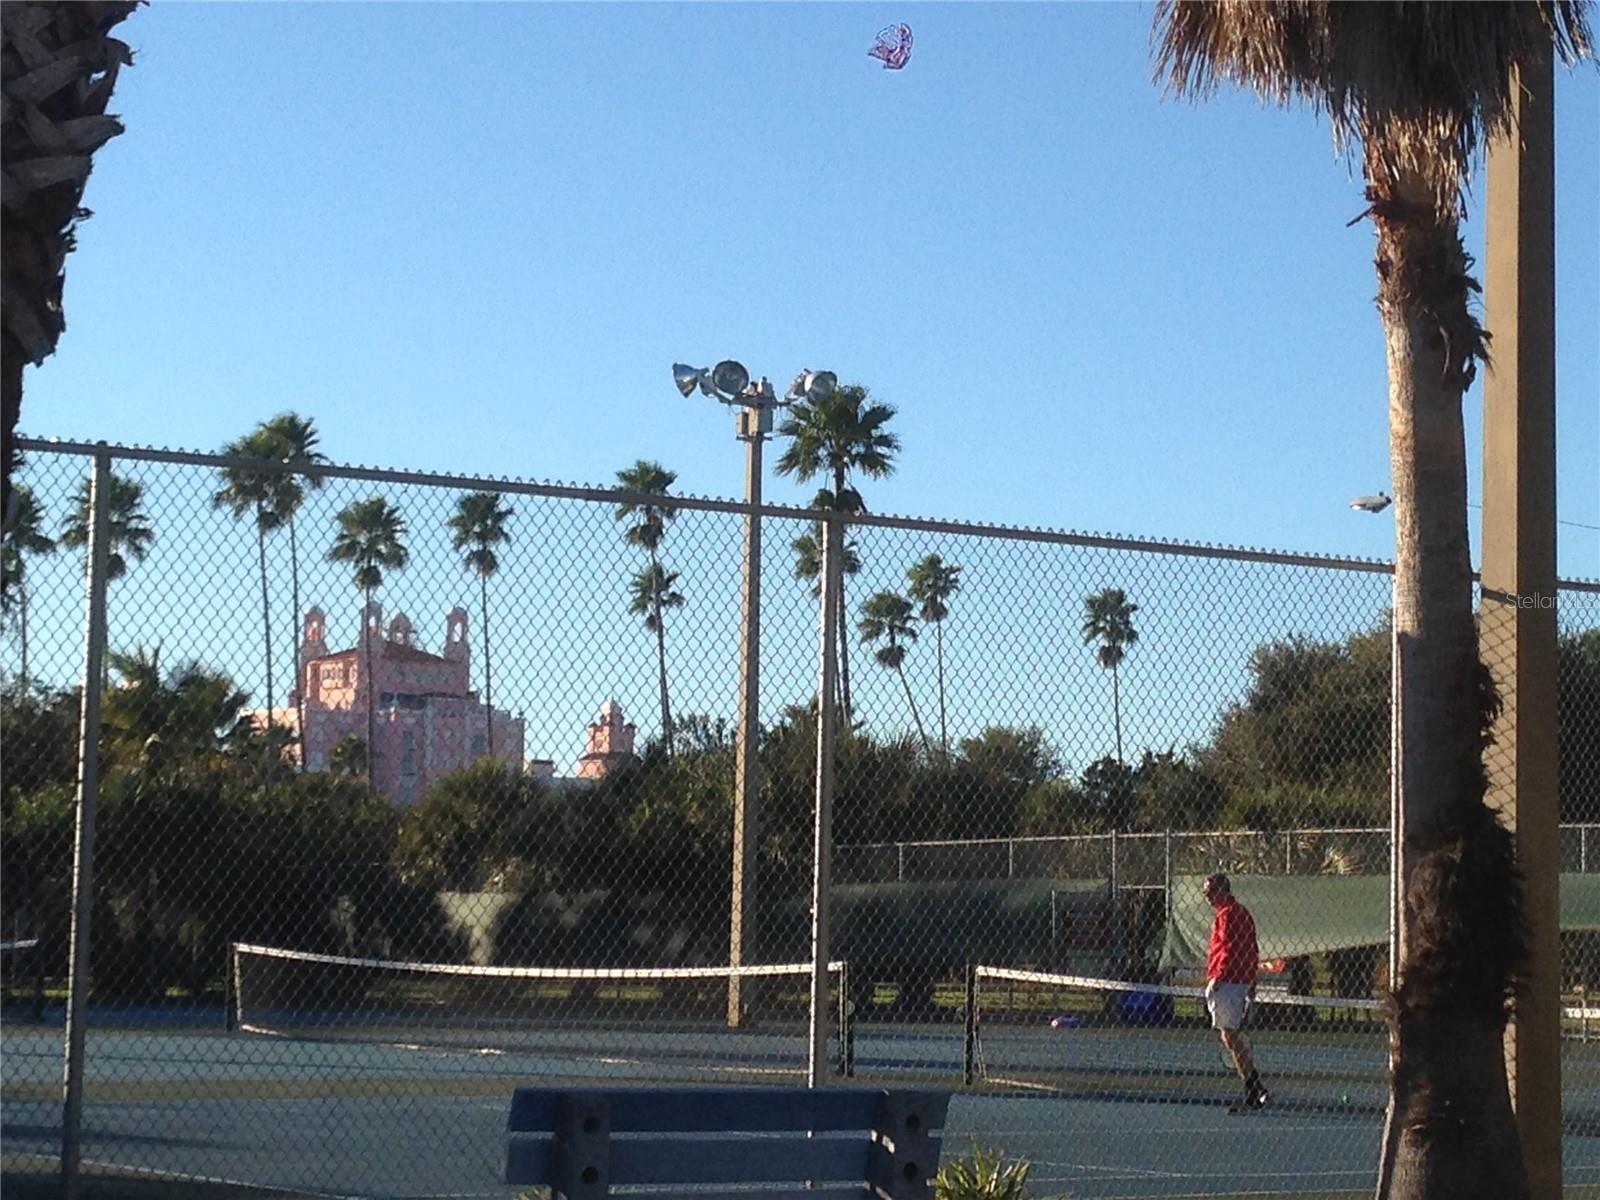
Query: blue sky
(474,237)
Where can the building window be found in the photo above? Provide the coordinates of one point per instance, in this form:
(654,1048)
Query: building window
(408,753)
(479,745)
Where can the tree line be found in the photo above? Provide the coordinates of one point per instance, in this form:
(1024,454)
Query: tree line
(205,836)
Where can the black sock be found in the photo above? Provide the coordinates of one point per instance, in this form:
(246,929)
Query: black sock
(1252,1084)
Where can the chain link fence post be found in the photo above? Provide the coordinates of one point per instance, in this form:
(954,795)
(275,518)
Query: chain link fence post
(822,841)
(83,847)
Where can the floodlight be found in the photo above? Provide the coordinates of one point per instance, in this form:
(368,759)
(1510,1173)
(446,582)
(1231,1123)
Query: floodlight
(1371,504)
(729,378)
(688,378)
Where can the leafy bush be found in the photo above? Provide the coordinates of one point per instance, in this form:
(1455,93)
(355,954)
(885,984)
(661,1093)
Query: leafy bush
(983,1175)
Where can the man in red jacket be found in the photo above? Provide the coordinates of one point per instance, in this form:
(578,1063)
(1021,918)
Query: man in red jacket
(1231,983)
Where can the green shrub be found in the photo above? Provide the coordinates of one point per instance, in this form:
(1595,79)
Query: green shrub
(983,1175)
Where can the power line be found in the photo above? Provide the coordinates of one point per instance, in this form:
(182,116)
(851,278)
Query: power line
(1559,521)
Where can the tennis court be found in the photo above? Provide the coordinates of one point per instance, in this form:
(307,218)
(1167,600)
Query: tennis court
(336,1118)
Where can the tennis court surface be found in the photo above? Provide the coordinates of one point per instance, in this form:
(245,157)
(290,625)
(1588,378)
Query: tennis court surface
(191,1102)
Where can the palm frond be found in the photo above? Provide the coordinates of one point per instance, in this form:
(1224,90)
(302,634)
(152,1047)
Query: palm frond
(1419,87)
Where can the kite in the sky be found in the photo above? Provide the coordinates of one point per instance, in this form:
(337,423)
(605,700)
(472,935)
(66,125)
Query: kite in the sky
(893,47)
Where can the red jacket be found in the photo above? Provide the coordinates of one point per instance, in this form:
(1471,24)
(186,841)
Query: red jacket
(1232,958)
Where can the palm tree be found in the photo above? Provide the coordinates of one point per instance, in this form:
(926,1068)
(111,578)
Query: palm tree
(1419,88)
(837,437)
(478,526)
(931,583)
(259,493)
(293,440)
(169,715)
(63,50)
(24,537)
(129,532)
(1108,619)
(808,566)
(348,756)
(371,539)
(887,616)
(651,592)
(650,520)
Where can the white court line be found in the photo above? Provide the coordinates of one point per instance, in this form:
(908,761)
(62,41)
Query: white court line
(188,1177)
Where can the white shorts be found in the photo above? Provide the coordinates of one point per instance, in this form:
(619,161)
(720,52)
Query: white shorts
(1227,1003)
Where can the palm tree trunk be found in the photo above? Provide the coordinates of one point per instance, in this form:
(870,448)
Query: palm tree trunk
(844,656)
(661,653)
(1116,708)
(915,715)
(1452,1129)
(844,611)
(266,627)
(22,637)
(299,667)
(488,693)
(938,650)
(372,693)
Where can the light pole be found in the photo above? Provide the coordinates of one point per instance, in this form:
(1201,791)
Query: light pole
(754,403)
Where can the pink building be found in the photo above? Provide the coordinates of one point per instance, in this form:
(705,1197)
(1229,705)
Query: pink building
(610,743)
(429,720)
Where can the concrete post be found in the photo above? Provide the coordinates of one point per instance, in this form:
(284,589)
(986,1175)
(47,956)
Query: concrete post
(1518,616)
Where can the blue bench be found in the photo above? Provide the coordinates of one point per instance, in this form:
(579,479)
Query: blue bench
(807,1144)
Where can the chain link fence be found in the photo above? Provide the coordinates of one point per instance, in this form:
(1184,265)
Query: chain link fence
(411,789)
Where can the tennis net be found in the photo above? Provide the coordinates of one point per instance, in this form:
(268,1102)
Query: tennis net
(1115,1039)
(22,977)
(647,1021)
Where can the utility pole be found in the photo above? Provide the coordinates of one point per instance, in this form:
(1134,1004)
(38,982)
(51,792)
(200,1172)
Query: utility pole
(1517,620)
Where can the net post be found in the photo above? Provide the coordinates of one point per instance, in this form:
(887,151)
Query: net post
(36,1010)
(969,1047)
(1116,911)
(1166,875)
(230,988)
(847,1025)
(1055,931)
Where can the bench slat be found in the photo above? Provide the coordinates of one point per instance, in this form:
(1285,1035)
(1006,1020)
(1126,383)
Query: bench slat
(711,1110)
(737,1160)
(843,1192)
(707,1160)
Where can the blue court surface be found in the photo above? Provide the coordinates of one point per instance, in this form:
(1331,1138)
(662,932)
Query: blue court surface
(346,1118)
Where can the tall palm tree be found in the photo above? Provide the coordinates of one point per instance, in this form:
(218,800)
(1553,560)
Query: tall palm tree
(24,538)
(258,493)
(887,617)
(931,582)
(60,65)
(1108,620)
(650,519)
(371,538)
(293,441)
(1418,88)
(478,526)
(839,437)
(652,591)
(129,531)
(808,567)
